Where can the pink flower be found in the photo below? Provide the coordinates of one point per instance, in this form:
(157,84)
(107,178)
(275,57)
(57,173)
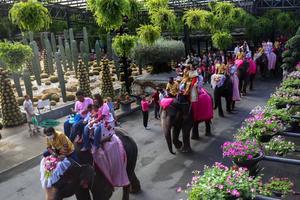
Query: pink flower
(220,187)
(249,157)
(179,189)
(235,193)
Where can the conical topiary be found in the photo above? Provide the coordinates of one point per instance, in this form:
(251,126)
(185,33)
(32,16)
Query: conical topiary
(11,113)
(107,88)
(83,79)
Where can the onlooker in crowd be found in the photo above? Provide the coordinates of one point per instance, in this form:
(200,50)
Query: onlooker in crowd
(162,94)
(155,98)
(111,106)
(28,107)
(81,105)
(145,110)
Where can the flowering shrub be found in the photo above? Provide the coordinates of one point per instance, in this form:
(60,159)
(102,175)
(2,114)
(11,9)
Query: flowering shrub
(221,182)
(281,101)
(280,146)
(294,75)
(50,165)
(241,151)
(280,185)
(293,83)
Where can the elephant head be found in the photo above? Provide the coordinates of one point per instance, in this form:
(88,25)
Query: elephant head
(175,118)
(76,180)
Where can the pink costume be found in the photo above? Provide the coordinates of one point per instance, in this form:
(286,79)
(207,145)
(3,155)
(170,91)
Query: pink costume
(238,62)
(236,92)
(252,66)
(203,108)
(82,106)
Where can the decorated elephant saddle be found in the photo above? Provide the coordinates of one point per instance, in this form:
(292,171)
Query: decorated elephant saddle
(217,80)
(166,102)
(51,169)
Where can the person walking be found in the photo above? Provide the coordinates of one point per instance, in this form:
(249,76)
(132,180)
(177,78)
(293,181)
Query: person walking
(145,110)
(28,107)
(155,98)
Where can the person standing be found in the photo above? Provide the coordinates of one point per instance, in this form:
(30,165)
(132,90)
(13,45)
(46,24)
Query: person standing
(145,110)
(28,107)
(155,98)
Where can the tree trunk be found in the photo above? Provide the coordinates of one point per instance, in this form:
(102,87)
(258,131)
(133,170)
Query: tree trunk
(11,113)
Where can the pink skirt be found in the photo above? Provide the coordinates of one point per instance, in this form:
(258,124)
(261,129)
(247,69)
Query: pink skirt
(236,92)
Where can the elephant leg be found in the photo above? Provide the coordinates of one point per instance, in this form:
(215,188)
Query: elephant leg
(51,193)
(135,185)
(195,132)
(83,194)
(176,132)
(228,103)
(207,128)
(246,80)
(216,98)
(166,126)
(186,129)
(252,77)
(219,105)
(126,190)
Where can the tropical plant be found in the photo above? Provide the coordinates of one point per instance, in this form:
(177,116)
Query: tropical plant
(278,185)
(164,18)
(280,146)
(148,34)
(221,182)
(159,54)
(241,150)
(198,19)
(123,45)
(222,40)
(84,80)
(107,89)
(110,14)
(30,16)
(153,5)
(292,54)
(13,56)
(281,101)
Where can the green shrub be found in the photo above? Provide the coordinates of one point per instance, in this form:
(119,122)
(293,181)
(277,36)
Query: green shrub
(159,54)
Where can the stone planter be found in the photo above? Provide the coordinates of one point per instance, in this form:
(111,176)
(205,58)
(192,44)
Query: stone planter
(125,106)
(251,165)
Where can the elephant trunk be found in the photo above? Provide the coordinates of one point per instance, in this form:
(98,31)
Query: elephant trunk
(169,142)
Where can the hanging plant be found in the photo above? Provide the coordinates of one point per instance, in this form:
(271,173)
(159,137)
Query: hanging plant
(198,19)
(14,55)
(154,5)
(222,40)
(109,14)
(148,34)
(164,18)
(134,8)
(30,16)
(123,45)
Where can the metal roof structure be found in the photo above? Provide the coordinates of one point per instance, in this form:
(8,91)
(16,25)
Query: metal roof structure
(76,10)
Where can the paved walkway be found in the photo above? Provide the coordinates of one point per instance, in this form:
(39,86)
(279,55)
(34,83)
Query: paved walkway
(160,172)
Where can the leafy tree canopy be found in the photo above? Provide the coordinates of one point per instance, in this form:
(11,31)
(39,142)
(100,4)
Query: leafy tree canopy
(30,16)
(148,34)
(14,55)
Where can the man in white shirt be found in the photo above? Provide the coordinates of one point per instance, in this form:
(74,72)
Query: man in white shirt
(28,107)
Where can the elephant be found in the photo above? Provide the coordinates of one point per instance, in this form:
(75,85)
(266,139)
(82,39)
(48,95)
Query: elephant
(179,117)
(262,64)
(226,91)
(243,76)
(83,178)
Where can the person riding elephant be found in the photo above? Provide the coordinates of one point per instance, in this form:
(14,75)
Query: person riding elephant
(177,116)
(84,178)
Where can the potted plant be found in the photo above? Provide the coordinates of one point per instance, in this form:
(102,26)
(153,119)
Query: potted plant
(280,146)
(278,186)
(222,182)
(125,103)
(281,101)
(244,154)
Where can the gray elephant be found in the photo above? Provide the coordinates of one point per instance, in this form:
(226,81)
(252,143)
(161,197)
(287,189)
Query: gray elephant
(81,179)
(177,117)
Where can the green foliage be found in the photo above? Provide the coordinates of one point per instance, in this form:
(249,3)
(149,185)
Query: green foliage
(281,185)
(15,55)
(280,146)
(153,5)
(58,26)
(213,184)
(30,16)
(123,45)
(134,8)
(148,34)
(164,18)
(222,40)
(198,19)
(284,22)
(159,54)
(109,13)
